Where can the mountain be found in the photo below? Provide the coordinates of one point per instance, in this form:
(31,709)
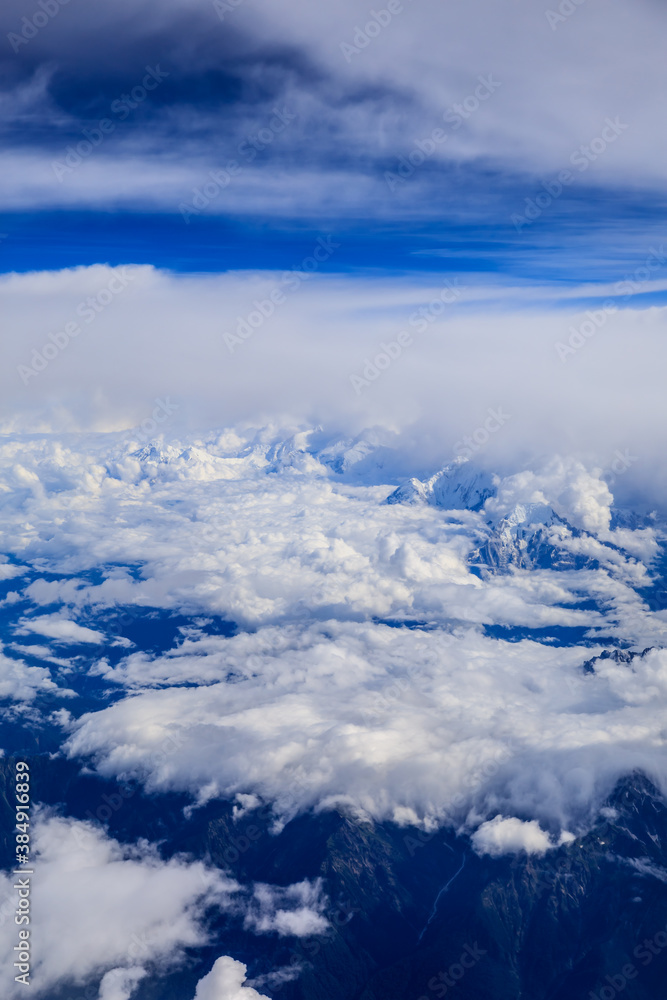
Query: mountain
(458,486)
(533,536)
(413,914)
(524,519)
(254,657)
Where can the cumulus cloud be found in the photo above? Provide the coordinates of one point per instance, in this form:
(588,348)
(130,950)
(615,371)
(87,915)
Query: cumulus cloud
(130,914)
(59,628)
(360,716)
(131,909)
(320,700)
(41,653)
(112,376)
(225,982)
(573,491)
(7,571)
(22,683)
(503,835)
(119,984)
(182,510)
(296,910)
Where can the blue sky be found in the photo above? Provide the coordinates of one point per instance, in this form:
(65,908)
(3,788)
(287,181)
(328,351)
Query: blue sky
(415,137)
(263,265)
(503,147)
(598,247)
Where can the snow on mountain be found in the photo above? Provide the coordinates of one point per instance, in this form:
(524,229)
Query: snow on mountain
(557,516)
(459,486)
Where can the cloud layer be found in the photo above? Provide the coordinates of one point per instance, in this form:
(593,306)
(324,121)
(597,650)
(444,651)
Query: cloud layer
(321,699)
(362,92)
(329,353)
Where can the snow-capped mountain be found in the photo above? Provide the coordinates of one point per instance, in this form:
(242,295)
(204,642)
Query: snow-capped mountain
(555,517)
(459,486)
(309,643)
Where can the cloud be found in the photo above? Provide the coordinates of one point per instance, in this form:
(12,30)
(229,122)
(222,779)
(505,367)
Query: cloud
(367,107)
(476,353)
(510,835)
(119,984)
(41,653)
(305,554)
(133,910)
(573,492)
(22,683)
(225,982)
(61,629)
(137,915)
(296,910)
(358,716)
(320,700)
(373,639)
(7,571)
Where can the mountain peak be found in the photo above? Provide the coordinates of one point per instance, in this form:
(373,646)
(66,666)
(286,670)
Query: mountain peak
(460,485)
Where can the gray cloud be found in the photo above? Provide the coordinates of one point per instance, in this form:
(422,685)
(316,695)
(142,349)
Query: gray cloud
(556,90)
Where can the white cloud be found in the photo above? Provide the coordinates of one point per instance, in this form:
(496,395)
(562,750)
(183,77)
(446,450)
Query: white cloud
(280,538)
(225,982)
(567,486)
(7,571)
(129,914)
(130,908)
(434,394)
(59,628)
(361,715)
(21,683)
(119,984)
(296,910)
(503,835)
(41,653)
(319,703)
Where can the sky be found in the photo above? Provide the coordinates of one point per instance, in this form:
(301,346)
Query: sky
(359,168)
(265,267)
(292,119)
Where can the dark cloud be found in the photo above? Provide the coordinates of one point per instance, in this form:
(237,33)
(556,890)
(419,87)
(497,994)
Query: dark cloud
(363,100)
